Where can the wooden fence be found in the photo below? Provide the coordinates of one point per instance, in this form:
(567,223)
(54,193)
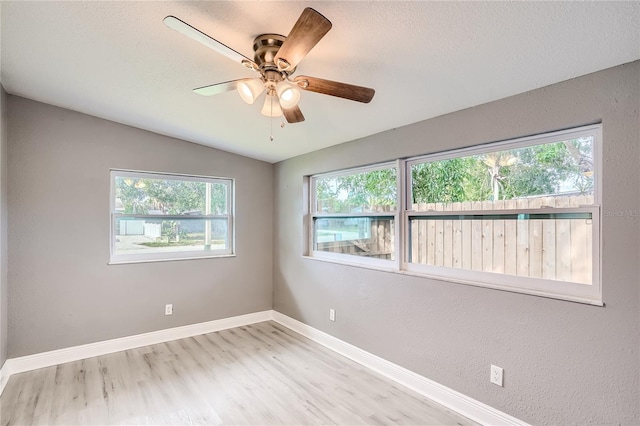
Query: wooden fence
(379,245)
(557,249)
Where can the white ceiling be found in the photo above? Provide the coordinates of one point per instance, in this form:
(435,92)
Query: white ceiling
(118,61)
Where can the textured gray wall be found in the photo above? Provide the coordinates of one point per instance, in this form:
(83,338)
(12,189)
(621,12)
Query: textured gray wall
(61,291)
(565,363)
(3,226)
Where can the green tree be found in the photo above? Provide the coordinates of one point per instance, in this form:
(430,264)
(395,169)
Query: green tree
(502,175)
(368,190)
(543,169)
(523,172)
(446,181)
(171,197)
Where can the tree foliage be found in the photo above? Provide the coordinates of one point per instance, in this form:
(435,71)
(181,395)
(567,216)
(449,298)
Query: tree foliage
(447,181)
(524,172)
(537,170)
(357,192)
(171,197)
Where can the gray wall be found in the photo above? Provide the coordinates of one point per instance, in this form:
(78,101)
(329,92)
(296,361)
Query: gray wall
(565,363)
(3,227)
(61,291)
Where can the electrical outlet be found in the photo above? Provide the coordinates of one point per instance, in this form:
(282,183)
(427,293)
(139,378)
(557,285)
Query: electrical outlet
(332,314)
(168,309)
(496,375)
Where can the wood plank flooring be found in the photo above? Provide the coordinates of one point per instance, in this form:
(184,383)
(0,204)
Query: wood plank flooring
(262,374)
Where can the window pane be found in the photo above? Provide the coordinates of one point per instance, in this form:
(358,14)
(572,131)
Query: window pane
(515,178)
(166,196)
(219,197)
(359,236)
(135,235)
(372,191)
(550,246)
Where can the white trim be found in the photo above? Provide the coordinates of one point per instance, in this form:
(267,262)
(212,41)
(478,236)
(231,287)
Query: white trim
(453,400)
(389,214)
(462,404)
(75,353)
(4,377)
(406,270)
(175,176)
(126,262)
(151,256)
(355,260)
(400,244)
(168,256)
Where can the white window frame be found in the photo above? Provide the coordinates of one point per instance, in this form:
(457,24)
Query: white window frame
(577,292)
(169,255)
(393,214)
(588,293)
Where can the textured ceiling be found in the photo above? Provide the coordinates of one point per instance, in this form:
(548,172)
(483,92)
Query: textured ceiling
(118,61)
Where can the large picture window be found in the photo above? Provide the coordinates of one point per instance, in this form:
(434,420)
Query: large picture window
(521,215)
(158,216)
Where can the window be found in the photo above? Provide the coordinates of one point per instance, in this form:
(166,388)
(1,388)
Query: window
(519,215)
(354,213)
(156,216)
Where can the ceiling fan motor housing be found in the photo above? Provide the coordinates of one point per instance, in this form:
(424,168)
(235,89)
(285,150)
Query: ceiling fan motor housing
(266,47)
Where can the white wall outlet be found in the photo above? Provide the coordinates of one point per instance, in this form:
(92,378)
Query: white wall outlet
(332,314)
(496,375)
(168,309)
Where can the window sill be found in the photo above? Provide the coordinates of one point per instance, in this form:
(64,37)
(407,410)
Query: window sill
(125,262)
(394,270)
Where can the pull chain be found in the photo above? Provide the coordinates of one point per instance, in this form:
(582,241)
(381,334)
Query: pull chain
(271,114)
(282,124)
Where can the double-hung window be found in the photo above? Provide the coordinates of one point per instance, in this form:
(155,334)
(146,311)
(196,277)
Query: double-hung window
(520,215)
(157,216)
(354,215)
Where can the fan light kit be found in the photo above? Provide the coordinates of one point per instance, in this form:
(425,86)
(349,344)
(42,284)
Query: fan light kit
(275,59)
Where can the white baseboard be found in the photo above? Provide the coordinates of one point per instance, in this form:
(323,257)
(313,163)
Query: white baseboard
(4,377)
(449,398)
(75,353)
(455,401)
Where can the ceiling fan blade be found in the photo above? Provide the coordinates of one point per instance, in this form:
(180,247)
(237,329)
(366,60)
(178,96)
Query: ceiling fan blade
(197,35)
(216,89)
(306,33)
(293,115)
(334,88)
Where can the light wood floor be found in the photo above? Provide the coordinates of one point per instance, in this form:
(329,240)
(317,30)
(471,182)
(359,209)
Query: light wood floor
(262,374)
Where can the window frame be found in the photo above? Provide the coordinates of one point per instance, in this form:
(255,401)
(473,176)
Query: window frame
(386,264)
(564,290)
(171,255)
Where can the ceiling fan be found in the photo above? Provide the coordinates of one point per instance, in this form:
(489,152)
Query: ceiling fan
(275,59)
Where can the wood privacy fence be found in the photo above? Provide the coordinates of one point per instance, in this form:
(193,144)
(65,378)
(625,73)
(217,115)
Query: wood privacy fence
(379,244)
(557,249)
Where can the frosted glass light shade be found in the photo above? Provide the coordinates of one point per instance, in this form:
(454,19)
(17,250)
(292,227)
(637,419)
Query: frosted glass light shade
(271,107)
(249,90)
(288,94)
